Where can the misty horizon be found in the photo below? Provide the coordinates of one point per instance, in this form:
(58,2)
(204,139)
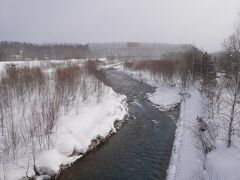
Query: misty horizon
(202,23)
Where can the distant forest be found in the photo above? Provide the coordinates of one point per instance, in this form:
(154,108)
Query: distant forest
(135,50)
(122,51)
(30,51)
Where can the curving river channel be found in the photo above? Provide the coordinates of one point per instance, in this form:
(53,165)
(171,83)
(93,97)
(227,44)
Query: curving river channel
(140,150)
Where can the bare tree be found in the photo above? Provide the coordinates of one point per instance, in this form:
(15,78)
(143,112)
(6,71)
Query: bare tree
(2,116)
(232,48)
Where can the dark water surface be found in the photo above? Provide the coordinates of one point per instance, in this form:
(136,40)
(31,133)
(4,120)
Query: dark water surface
(140,150)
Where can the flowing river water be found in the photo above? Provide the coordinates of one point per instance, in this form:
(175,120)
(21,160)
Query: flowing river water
(140,150)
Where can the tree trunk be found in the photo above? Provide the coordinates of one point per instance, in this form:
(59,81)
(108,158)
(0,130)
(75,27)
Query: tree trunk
(1,115)
(229,140)
(230,128)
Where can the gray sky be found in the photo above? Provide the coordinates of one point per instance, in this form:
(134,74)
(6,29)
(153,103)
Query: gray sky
(206,23)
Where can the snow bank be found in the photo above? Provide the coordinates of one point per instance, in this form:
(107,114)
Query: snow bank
(165,97)
(223,163)
(77,131)
(185,162)
(166,94)
(92,120)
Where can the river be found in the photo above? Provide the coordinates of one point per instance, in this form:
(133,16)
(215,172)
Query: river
(140,150)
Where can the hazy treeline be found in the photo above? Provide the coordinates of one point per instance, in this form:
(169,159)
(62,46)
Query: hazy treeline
(125,51)
(27,51)
(134,50)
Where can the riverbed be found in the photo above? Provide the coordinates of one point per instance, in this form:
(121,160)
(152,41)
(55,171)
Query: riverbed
(140,150)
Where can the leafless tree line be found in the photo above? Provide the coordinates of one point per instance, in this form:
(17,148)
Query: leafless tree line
(27,51)
(185,65)
(134,50)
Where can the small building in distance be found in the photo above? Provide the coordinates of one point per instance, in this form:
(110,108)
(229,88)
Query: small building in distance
(17,57)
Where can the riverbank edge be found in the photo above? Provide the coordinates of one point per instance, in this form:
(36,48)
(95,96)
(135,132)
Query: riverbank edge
(177,106)
(173,107)
(171,171)
(99,142)
(180,133)
(94,143)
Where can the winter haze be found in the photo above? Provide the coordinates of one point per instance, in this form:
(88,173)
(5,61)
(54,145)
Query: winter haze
(204,23)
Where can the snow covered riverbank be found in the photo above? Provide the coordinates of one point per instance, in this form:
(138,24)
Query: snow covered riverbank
(166,95)
(197,154)
(185,161)
(79,131)
(188,161)
(79,127)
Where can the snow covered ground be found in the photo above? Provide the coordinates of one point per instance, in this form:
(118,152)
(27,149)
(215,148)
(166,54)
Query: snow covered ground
(77,129)
(185,162)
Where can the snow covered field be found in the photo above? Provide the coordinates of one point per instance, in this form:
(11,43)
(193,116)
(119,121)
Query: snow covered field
(82,124)
(42,63)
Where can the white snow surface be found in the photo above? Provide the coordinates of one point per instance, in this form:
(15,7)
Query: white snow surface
(92,120)
(185,162)
(73,130)
(165,98)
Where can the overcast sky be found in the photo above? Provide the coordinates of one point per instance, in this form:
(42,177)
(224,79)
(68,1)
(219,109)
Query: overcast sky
(206,23)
